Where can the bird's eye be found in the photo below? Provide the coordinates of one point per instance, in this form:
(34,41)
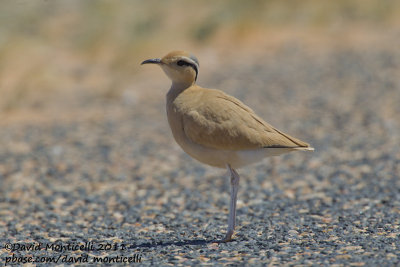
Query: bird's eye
(181,63)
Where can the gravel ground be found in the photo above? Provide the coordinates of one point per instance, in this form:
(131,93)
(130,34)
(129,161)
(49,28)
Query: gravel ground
(118,181)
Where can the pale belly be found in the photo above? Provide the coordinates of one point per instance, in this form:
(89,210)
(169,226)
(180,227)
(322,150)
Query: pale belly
(237,159)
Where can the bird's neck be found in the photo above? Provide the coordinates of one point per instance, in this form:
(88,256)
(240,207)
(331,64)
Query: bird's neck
(176,89)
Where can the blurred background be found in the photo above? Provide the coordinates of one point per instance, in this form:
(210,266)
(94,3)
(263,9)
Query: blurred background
(64,57)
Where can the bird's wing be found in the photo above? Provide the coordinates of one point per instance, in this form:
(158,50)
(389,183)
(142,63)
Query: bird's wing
(220,121)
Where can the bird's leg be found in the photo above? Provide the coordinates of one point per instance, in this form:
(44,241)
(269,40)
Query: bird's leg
(232,207)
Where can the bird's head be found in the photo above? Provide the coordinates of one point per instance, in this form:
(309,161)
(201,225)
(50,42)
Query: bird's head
(180,66)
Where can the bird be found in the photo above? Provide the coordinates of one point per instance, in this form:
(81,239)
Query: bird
(215,128)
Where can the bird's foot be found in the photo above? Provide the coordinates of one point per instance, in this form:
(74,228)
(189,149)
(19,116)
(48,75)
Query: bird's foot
(227,238)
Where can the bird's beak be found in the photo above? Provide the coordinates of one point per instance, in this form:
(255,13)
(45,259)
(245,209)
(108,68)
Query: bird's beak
(152,61)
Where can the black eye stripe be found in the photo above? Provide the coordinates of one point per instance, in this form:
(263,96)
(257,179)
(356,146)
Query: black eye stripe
(185,63)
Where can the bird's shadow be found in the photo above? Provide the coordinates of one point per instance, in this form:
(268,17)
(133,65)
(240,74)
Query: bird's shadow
(194,242)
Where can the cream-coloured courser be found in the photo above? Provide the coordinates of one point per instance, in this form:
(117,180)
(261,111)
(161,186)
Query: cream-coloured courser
(215,128)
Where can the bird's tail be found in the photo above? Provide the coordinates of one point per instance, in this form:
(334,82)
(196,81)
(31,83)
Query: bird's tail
(305,148)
